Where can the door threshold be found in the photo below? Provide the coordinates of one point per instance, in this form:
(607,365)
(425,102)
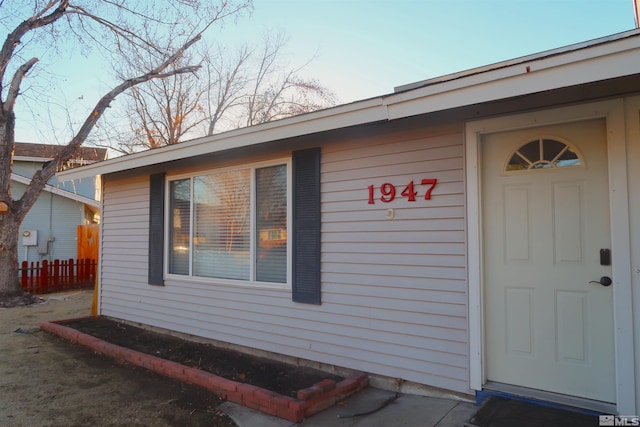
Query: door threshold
(547,398)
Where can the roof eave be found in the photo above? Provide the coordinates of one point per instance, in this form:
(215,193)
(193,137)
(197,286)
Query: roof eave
(346,115)
(515,61)
(600,59)
(596,61)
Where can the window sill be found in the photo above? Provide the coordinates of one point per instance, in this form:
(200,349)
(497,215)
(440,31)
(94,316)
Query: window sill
(227,282)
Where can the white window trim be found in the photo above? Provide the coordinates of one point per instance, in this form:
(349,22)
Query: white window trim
(613,112)
(540,137)
(221,281)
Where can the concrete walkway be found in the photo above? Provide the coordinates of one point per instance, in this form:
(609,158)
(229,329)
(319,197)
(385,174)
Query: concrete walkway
(406,410)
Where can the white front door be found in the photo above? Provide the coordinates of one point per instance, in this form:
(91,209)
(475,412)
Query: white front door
(545,211)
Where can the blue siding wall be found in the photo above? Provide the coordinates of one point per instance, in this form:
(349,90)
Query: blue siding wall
(56,218)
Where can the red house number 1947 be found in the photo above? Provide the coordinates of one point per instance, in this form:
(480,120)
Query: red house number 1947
(410,191)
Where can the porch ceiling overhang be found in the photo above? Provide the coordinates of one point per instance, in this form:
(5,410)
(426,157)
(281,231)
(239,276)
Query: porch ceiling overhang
(597,60)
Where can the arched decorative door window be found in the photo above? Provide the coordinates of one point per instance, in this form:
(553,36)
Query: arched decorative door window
(543,153)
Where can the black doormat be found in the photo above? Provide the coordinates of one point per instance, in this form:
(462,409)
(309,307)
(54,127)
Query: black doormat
(500,412)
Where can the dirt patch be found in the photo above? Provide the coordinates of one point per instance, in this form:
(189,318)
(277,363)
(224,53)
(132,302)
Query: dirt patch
(19,300)
(282,378)
(46,381)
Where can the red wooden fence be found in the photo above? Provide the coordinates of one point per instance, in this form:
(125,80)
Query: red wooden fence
(57,275)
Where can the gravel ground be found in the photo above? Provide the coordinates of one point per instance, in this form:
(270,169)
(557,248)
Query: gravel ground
(45,381)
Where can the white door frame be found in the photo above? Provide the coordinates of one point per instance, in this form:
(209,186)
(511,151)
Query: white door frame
(614,114)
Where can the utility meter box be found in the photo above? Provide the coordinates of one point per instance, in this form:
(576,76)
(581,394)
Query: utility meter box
(29,237)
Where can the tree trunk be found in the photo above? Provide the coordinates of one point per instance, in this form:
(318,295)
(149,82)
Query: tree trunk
(9,282)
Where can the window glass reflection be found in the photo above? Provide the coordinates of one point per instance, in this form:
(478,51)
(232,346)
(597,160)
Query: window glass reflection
(543,154)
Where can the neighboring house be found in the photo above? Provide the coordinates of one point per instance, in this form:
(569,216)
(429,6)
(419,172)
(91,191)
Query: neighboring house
(457,233)
(49,230)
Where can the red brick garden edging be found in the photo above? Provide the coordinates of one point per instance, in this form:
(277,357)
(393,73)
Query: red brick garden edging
(309,400)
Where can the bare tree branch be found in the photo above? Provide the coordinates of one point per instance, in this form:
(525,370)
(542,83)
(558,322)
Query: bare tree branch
(41,177)
(13,39)
(14,88)
(251,88)
(227,87)
(116,28)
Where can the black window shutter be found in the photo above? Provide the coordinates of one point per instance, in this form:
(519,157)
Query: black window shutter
(306,226)
(156,229)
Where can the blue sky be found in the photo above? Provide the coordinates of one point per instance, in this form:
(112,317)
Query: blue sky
(364,48)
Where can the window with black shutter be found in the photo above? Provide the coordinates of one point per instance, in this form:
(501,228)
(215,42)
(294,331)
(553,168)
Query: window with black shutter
(156,229)
(306,226)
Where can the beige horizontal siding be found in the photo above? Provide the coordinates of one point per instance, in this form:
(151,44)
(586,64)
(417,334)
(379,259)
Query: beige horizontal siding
(407,272)
(125,235)
(393,290)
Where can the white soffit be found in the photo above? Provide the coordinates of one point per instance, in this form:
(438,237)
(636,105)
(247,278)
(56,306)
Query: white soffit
(601,59)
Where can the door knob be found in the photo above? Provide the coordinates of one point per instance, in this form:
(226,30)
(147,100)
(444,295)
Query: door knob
(604,281)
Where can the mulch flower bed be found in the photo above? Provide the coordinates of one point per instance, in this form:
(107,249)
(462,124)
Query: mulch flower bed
(272,375)
(284,390)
